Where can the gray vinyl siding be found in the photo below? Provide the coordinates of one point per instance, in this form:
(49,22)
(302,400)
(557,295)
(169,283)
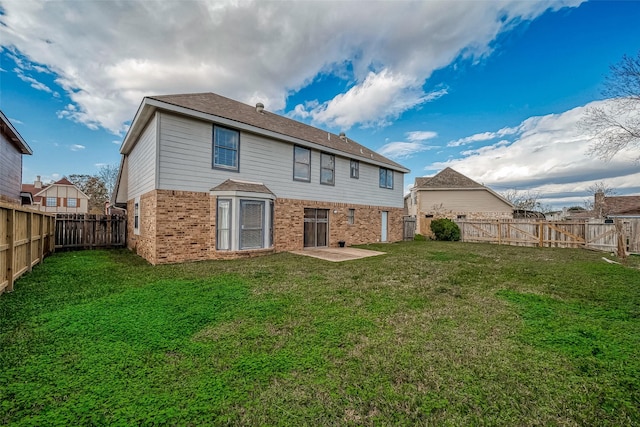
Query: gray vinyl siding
(10,169)
(142,162)
(185,163)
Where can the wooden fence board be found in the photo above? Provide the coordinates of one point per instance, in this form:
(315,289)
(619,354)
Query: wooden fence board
(89,231)
(24,235)
(560,234)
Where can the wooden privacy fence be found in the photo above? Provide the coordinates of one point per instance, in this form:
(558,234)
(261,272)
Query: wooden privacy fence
(559,234)
(89,231)
(26,237)
(409,227)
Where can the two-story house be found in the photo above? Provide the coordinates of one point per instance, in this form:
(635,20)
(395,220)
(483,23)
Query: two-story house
(206,177)
(450,194)
(60,197)
(12,148)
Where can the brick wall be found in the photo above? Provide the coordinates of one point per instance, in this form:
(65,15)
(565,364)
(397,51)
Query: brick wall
(143,244)
(367,226)
(179,226)
(183,226)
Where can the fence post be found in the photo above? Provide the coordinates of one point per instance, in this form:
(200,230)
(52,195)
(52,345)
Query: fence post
(30,242)
(11,217)
(541,234)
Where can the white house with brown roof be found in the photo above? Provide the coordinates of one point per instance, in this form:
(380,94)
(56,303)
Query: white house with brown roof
(12,148)
(450,194)
(206,177)
(60,197)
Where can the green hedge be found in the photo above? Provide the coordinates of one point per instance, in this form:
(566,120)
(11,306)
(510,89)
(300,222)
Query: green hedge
(445,229)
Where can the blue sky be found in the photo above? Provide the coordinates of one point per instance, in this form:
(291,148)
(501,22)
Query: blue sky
(493,89)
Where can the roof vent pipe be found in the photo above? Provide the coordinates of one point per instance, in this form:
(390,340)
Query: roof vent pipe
(343,136)
(260,107)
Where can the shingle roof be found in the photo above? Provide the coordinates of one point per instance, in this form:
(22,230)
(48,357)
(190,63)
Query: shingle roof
(251,187)
(14,137)
(447,178)
(63,181)
(622,205)
(217,105)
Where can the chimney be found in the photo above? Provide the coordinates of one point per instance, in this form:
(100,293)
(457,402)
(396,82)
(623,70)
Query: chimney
(37,183)
(598,203)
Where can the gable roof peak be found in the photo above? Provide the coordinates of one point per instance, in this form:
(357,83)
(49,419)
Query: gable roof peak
(447,178)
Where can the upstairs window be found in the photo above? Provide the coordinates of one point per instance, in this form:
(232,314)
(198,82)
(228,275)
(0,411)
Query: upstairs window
(386,178)
(355,169)
(301,164)
(72,202)
(226,146)
(327,169)
(52,201)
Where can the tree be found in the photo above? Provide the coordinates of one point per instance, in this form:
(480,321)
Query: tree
(598,187)
(615,124)
(527,200)
(95,188)
(109,175)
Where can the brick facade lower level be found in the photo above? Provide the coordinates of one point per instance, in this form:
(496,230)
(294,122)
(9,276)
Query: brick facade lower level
(179,226)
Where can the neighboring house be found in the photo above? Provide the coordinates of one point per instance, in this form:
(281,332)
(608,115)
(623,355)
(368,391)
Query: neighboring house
(450,194)
(60,197)
(12,148)
(611,207)
(206,177)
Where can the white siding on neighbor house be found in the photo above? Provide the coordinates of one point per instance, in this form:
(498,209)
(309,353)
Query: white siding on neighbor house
(462,201)
(185,163)
(62,193)
(141,177)
(10,169)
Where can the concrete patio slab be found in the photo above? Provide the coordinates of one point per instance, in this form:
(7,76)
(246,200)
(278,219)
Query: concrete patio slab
(338,254)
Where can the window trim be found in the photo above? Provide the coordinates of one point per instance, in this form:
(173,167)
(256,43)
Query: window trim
(220,166)
(262,204)
(386,171)
(332,169)
(351,216)
(354,169)
(308,179)
(136,216)
(230,221)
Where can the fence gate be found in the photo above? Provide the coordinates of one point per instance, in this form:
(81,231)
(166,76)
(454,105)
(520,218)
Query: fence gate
(409,227)
(88,231)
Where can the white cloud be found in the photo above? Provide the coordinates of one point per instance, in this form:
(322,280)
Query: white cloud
(403,150)
(76,147)
(421,135)
(484,136)
(406,149)
(253,51)
(547,154)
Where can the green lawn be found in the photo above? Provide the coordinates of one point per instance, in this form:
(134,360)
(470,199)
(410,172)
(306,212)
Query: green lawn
(432,333)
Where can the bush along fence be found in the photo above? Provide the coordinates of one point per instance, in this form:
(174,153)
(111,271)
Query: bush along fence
(622,237)
(26,237)
(89,231)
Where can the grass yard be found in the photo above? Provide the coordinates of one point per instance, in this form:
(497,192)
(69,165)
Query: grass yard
(432,333)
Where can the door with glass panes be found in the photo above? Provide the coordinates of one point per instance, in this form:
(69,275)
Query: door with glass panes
(316,228)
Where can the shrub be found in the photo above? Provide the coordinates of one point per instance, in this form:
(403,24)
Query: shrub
(445,229)
(419,238)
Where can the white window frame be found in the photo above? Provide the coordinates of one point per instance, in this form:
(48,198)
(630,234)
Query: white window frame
(237,198)
(136,216)
(72,202)
(51,202)
(351,216)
